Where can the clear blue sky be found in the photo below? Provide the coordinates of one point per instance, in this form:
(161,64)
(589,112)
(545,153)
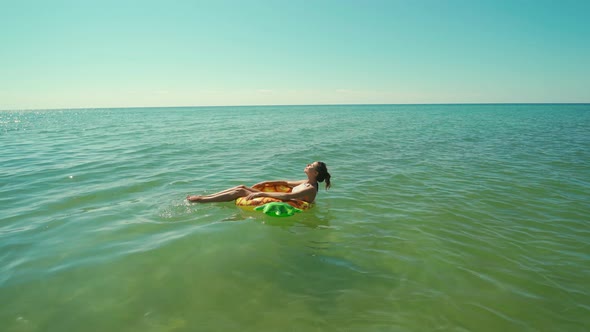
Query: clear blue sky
(117,53)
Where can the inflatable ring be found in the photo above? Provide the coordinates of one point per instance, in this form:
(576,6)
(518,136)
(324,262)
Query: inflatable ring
(277,188)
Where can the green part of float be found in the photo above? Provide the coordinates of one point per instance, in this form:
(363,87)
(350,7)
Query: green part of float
(277,209)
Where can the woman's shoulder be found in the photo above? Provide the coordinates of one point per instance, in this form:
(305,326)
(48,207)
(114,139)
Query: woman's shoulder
(295,182)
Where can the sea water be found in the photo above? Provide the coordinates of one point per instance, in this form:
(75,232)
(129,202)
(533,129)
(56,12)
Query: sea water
(440,217)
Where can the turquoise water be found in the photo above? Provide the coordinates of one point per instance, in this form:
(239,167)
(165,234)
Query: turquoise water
(441,217)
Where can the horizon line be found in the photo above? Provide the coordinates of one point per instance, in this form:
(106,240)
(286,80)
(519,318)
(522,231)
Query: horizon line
(295,105)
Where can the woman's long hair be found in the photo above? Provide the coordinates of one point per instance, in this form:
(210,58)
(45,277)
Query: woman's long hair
(323,174)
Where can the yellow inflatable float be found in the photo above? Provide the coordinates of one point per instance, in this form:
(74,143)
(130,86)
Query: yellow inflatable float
(270,187)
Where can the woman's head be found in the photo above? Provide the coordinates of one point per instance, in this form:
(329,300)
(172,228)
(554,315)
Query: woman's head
(321,172)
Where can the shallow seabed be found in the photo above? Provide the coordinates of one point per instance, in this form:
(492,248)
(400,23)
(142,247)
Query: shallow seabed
(441,217)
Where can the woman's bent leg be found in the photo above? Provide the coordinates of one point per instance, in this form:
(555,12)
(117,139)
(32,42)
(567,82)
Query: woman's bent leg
(223,196)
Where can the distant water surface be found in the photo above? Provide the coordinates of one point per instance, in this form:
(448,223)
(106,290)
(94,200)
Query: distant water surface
(441,217)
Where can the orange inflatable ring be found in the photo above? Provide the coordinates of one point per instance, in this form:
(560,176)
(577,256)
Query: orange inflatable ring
(278,188)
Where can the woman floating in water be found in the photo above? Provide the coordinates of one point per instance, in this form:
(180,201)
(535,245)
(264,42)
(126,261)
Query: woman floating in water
(304,190)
